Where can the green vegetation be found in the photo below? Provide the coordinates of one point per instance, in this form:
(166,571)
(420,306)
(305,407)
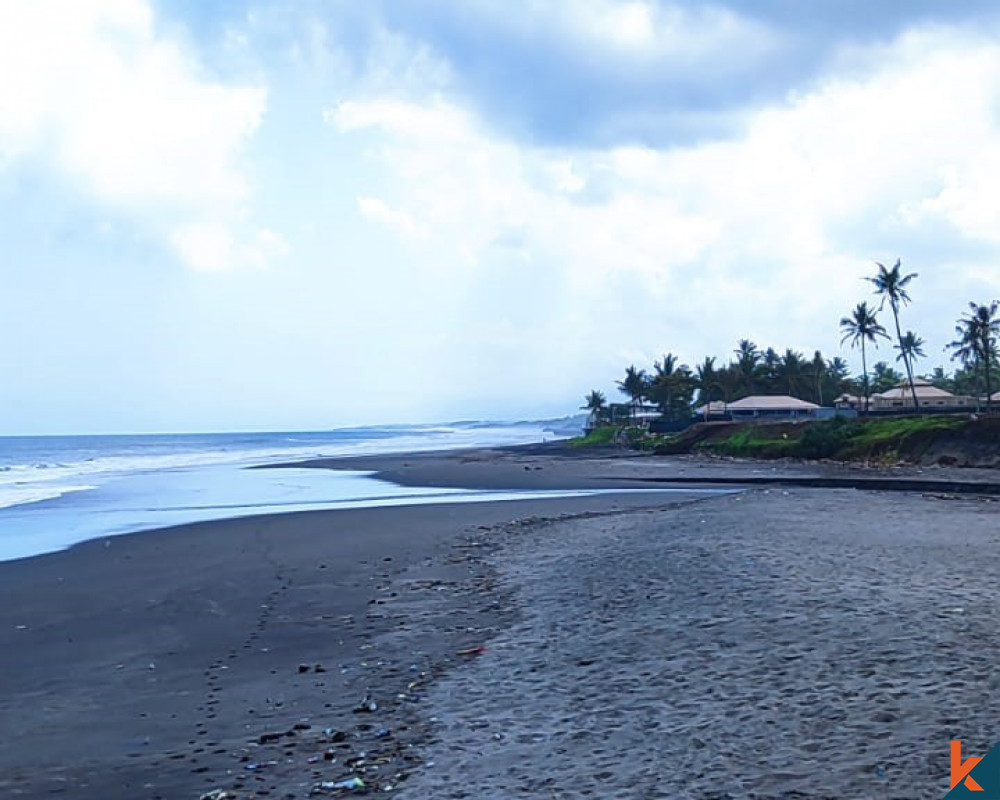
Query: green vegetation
(885,440)
(597,437)
(633,436)
(674,389)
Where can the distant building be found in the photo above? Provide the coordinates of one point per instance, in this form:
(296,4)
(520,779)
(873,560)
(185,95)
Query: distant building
(928,396)
(852,401)
(715,409)
(764,407)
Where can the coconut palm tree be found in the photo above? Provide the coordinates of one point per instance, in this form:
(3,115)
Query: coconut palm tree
(596,403)
(976,345)
(885,377)
(634,386)
(747,365)
(891,285)
(671,386)
(818,372)
(910,347)
(862,326)
(770,377)
(837,371)
(940,379)
(706,379)
(791,370)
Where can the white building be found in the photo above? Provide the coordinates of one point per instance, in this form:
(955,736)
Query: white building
(928,396)
(769,407)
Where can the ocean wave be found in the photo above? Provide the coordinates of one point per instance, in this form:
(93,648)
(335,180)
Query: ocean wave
(47,473)
(24,494)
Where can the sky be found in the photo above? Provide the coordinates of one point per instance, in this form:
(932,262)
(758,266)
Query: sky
(276,215)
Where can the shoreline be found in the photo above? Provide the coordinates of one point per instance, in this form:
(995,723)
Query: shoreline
(177,662)
(554,465)
(152,662)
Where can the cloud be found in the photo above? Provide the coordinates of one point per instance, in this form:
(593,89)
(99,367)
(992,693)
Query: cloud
(376,210)
(763,234)
(654,72)
(211,247)
(94,90)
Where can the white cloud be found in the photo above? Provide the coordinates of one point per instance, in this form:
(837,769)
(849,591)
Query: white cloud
(211,247)
(764,235)
(376,210)
(93,88)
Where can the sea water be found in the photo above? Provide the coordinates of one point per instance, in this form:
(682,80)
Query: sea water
(56,491)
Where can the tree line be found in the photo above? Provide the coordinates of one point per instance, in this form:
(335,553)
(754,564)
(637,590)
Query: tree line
(674,388)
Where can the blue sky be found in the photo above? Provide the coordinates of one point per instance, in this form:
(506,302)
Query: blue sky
(254,215)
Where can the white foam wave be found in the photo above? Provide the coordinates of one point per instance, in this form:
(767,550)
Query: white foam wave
(23,494)
(45,480)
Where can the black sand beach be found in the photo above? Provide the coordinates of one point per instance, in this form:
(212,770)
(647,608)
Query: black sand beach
(782,642)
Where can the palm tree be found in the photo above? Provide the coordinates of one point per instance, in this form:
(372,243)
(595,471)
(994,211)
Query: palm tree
(884,377)
(596,403)
(729,382)
(747,365)
(891,284)
(706,379)
(940,379)
(791,368)
(818,372)
(769,372)
(862,326)
(977,340)
(911,347)
(672,387)
(634,386)
(837,371)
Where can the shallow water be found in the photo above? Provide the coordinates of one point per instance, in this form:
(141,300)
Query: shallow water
(56,491)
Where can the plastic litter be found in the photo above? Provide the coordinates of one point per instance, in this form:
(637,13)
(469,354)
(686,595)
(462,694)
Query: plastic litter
(217,794)
(471,651)
(354,784)
(366,706)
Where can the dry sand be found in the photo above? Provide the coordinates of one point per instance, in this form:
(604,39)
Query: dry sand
(777,644)
(784,643)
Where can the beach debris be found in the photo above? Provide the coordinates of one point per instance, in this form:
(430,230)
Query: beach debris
(218,794)
(303,668)
(20,627)
(256,767)
(354,784)
(471,651)
(367,705)
(383,733)
(334,735)
(269,738)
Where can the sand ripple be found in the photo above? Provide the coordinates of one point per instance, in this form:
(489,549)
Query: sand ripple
(803,644)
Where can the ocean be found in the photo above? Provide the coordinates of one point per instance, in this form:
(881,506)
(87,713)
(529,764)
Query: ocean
(56,491)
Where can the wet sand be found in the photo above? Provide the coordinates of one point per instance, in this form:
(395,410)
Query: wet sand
(150,665)
(783,642)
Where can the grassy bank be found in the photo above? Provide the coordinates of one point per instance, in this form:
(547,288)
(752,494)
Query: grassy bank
(631,436)
(954,440)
